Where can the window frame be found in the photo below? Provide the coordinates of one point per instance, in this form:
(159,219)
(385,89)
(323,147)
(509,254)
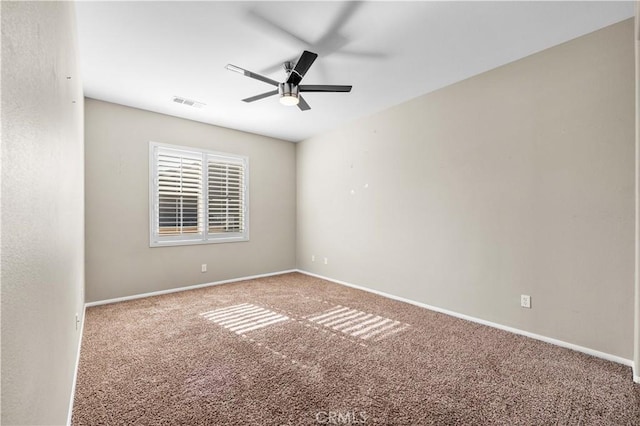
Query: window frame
(157,240)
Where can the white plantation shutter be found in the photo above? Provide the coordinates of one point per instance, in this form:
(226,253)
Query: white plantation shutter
(179,192)
(196,196)
(226,188)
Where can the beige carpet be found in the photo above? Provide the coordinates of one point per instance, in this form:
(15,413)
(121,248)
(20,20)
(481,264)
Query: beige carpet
(296,350)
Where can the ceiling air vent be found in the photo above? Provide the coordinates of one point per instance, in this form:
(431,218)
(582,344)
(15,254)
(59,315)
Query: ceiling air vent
(188,102)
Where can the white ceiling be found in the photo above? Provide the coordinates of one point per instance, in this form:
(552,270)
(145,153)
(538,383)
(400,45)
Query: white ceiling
(141,54)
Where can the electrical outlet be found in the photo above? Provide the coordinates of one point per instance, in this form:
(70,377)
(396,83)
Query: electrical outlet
(525,301)
(313,257)
(203,268)
(326,261)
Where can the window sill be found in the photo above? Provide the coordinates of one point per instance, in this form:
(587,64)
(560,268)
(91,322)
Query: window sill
(171,243)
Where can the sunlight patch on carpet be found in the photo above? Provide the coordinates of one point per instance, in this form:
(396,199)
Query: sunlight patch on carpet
(244,317)
(358,323)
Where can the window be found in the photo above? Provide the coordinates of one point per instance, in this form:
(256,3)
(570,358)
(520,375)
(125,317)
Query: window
(197,196)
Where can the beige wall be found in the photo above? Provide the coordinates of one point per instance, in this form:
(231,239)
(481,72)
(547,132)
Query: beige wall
(42,211)
(516,181)
(119,259)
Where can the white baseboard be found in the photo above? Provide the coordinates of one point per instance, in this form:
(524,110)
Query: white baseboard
(75,371)
(191,287)
(593,352)
(636,373)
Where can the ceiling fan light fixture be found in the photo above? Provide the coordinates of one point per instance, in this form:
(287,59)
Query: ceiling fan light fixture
(289,100)
(288,94)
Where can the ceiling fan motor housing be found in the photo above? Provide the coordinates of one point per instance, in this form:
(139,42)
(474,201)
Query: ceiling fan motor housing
(288,89)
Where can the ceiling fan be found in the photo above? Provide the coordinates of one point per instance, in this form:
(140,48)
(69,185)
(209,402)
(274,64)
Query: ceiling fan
(290,89)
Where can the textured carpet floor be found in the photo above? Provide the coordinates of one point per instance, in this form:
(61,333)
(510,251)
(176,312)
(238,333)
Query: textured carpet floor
(296,350)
